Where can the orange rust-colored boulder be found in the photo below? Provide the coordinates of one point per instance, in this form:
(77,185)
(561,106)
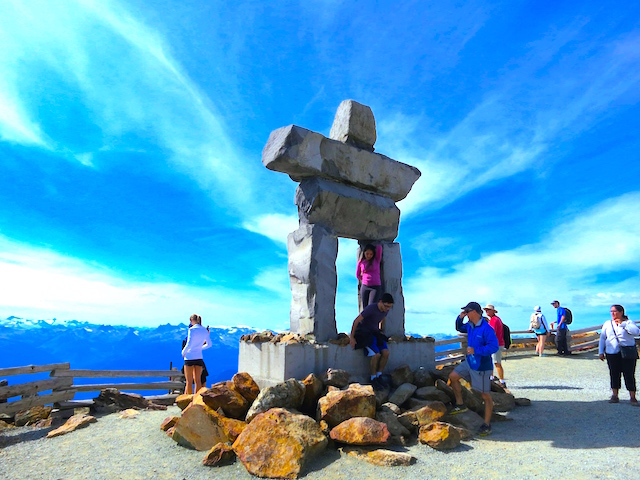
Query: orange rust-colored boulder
(198,429)
(246,386)
(312,389)
(221,454)
(278,443)
(361,431)
(380,456)
(75,422)
(184,400)
(356,401)
(430,413)
(168,423)
(439,436)
(224,395)
(31,416)
(231,427)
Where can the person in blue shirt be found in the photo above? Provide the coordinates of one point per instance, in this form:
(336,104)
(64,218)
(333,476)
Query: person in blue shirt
(478,366)
(561,330)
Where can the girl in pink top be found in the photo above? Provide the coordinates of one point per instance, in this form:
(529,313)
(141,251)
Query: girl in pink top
(368,274)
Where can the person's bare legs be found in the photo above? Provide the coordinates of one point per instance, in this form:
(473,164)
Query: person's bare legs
(188,376)
(197,377)
(488,406)
(383,360)
(454,378)
(374,364)
(500,371)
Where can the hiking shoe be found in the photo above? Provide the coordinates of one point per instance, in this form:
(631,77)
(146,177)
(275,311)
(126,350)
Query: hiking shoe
(484,430)
(614,399)
(634,402)
(503,384)
(458,409)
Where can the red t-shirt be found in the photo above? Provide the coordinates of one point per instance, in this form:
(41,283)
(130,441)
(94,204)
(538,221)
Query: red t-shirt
(496,324)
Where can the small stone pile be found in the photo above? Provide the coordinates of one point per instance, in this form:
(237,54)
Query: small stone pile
(276,431)
(289,338)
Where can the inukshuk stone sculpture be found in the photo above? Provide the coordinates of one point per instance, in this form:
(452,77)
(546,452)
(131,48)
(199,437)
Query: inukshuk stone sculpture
(346,190)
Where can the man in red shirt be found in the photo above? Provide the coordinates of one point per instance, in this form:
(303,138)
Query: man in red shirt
(496,324)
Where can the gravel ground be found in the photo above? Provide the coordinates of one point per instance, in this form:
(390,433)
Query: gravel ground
(569,431)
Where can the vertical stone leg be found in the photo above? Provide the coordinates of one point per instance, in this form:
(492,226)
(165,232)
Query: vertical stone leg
(391,276)
(312,273)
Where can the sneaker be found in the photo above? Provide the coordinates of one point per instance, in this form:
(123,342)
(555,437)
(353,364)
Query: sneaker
(634,402)
(484,430)
(614,399)
(503,383)
(458,409)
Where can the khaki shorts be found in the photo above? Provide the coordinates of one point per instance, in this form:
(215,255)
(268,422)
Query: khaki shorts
(497,357)
(480,379)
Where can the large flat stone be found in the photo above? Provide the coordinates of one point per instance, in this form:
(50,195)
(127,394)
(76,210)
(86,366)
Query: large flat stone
(312,273)
(301,153)
(348,211)
(391,273)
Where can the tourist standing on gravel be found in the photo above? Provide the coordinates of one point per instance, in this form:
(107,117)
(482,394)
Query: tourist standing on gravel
(561,329)
(618,344)
(538,324)
(366,333)
(496,324)
(368,274)
(198,339)
(481,344)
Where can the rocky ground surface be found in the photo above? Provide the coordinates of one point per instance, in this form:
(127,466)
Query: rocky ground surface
(569,431)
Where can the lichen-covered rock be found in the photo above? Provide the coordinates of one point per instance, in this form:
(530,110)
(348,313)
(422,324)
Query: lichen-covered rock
(338,406)
(409,420)
(380,456)
(289,394)
(442,373)
(422,378)
(31,416)
(183,401)
(219,455)
(312,390)
(469,420)
(401,375)
(361,431)
(402,393)
(443,387)
(430,413)
(439,436)
(199,429)
(168,423)
(278,443)
(431,393)
(231,427)
(225,396)
(73,423)
(336,377)
(246,386)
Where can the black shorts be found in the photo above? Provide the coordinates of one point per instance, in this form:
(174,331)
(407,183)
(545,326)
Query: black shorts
(194,363)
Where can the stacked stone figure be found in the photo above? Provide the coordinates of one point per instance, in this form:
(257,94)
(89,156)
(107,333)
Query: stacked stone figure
(346,190)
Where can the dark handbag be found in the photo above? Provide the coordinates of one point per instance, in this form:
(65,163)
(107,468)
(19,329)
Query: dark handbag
(629,352)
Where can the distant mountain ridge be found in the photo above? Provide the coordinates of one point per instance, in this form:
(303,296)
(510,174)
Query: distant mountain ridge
(112,347)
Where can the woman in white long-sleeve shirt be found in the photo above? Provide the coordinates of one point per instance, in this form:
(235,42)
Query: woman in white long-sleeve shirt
(620,331)
(198,339)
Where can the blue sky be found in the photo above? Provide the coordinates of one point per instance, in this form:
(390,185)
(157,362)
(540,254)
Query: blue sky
(132,189)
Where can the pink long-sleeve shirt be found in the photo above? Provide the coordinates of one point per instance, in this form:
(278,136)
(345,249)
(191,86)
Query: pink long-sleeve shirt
(370,274)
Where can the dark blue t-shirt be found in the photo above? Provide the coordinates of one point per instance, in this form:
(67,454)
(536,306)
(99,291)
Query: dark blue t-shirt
(372,316)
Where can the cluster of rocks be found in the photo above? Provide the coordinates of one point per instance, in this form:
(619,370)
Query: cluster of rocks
(109,400)
(290,338)
(275,431)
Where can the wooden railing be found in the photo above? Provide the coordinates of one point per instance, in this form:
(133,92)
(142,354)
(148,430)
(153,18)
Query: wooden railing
(580,340)
(62,387)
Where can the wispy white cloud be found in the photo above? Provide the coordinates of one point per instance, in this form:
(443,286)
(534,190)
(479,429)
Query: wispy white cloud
(111,64)
(564,265)
(40,283)
(275,226)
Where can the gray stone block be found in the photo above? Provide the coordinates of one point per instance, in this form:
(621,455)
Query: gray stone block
(301,153)
(347,211)
(391,276)
(312,274)
(355,124)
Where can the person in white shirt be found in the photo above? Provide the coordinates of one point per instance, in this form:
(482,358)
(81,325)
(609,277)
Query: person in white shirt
(198,339)
(617,334)
(539,325)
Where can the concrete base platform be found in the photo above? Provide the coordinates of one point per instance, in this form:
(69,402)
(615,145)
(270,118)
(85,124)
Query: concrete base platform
(272,363)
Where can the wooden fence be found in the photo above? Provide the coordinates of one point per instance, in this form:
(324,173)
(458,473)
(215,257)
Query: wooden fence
(580,340)
(62,387)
